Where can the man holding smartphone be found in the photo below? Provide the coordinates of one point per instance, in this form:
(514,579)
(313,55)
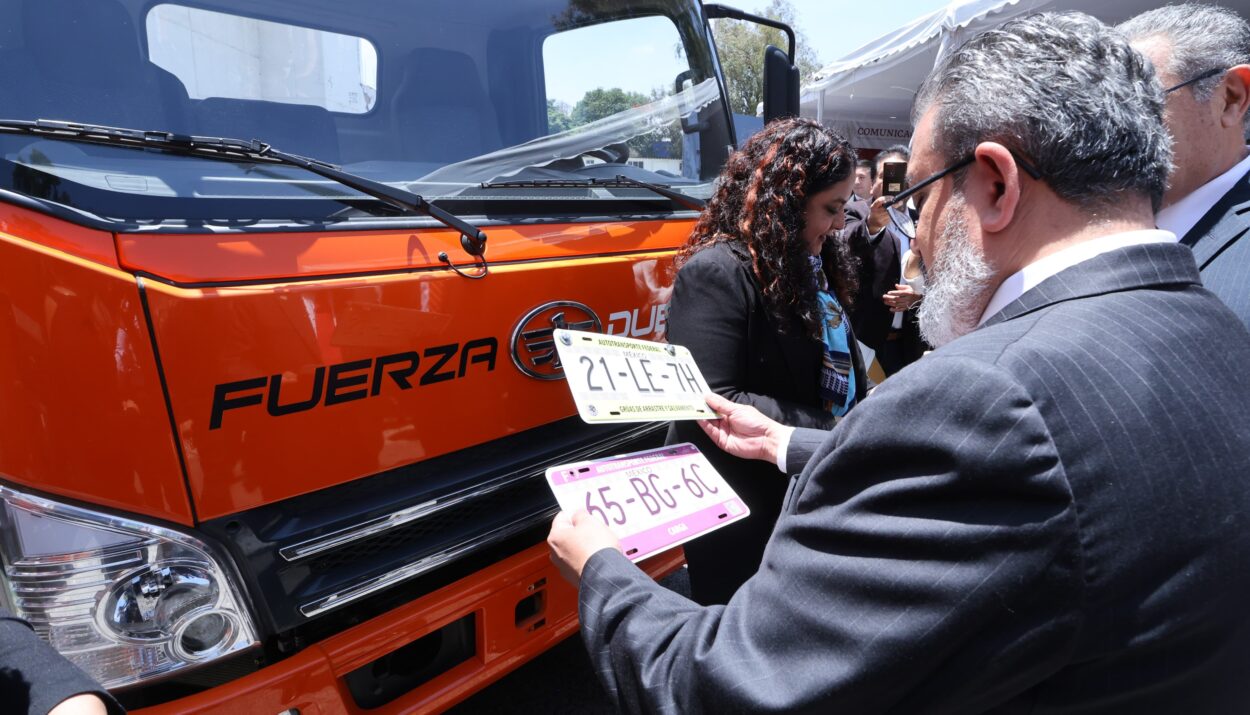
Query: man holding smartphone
(881,316)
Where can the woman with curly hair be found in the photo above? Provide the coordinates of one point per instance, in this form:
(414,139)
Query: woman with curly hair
(760,299)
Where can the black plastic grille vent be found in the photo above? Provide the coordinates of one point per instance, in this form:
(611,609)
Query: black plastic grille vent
(430,534)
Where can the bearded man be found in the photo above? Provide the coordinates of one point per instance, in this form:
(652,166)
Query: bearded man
(1049,514)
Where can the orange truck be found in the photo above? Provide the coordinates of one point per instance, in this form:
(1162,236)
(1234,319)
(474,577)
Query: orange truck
(277,287)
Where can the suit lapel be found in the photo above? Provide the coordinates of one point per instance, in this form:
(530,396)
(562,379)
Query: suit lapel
(1155,264)
(1226,222)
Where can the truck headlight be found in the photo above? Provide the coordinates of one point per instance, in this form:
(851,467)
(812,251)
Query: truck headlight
(124,600)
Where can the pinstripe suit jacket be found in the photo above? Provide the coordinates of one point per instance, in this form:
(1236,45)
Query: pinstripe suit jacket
(1049,515)
(1223,257)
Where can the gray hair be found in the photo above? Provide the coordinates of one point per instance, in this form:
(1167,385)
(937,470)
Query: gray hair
(1066,93)
(1202,38)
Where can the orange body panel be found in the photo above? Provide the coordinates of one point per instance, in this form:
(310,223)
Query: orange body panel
(312,680)
(81,409)
(363,421)
(90,244)
(199,258)
(84,415)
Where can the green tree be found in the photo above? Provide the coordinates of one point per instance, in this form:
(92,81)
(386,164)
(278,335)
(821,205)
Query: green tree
(741,48)
(558,119)
(599,103)
(671,131)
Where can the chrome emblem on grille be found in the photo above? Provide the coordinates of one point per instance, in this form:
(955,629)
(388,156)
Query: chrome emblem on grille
(533,348)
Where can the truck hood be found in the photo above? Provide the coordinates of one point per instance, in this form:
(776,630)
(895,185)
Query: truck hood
(298,361)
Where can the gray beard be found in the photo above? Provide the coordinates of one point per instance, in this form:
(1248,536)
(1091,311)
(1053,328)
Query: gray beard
(957,285)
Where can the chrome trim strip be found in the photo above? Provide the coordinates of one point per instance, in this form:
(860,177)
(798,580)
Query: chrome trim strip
(386,580)
(380,524)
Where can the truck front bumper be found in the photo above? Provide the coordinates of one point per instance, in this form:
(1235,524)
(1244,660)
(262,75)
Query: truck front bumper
(514,610)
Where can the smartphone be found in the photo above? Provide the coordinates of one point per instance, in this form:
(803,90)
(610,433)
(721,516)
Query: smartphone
(893,178)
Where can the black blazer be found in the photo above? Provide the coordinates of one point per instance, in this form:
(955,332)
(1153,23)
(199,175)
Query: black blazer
(1048,515)
(34,678)
(879,262)
(1223,256)
(879,271)
(718,312)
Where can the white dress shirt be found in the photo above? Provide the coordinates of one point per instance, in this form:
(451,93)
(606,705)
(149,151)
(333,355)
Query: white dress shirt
(1030,276)
(1183,215)
(1027,278)
(900,219)
(783,445)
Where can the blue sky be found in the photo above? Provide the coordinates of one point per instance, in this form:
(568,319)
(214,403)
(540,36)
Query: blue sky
(637,55)
(834,29)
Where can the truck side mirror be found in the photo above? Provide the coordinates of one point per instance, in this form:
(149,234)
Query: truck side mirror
(781,85)
(781,74)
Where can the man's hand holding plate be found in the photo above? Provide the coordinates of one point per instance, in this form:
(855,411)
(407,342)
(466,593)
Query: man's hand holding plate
(574,538)
(743,431)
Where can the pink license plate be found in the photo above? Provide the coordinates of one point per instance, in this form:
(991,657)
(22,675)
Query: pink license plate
(652,500)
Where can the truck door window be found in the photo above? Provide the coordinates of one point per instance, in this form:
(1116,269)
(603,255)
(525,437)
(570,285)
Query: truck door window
(215,54)
(598,71)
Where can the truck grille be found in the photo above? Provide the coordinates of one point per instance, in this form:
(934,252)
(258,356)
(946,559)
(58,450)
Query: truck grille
(320,552)
(481,510)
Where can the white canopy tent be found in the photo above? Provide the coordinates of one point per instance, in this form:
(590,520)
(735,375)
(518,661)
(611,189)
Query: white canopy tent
(867,95)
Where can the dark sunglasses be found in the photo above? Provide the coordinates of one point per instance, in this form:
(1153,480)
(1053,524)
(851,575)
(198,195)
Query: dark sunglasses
(1199,78)
(962,163)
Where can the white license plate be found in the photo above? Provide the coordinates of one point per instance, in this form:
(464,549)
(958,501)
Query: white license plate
(616,379)
(652,500)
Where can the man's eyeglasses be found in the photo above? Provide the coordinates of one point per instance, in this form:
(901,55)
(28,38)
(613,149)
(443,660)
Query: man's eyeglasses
(1028,168)
(967,160)
(1199,78)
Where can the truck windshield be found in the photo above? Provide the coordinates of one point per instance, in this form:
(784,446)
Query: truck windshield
(433,96)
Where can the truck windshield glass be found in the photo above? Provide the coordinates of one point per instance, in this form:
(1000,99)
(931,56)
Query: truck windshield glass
(432,96)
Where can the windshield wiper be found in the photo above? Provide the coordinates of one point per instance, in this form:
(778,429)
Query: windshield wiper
(620,182)
(222,148)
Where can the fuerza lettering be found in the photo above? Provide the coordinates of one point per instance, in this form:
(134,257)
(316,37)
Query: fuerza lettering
(356,379)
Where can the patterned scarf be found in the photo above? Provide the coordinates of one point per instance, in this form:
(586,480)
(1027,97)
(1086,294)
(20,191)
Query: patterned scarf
(837,376)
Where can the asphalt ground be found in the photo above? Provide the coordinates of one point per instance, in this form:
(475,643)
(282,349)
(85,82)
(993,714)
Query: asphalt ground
(558,681)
